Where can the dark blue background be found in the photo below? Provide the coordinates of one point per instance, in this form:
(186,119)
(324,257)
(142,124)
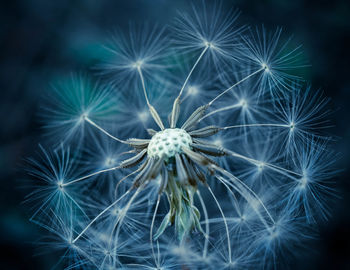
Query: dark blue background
(40,39)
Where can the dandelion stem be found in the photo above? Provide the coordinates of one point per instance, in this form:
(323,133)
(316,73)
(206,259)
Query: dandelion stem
(124,212)
(218,220)
(243,189)
(121,180)
(225,222)
(151,230)
(235,200)
(153,111)
(238,105)
(143,84)
(99,215)
(177,99)
(90,175)
(286,172)
(249,198)
(193,68)
(255,125)
(234,85)
(205,250)
(104,131)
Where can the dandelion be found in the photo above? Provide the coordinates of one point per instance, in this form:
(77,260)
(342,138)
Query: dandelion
(202,150)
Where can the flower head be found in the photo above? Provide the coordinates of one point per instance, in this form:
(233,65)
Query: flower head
(210,151)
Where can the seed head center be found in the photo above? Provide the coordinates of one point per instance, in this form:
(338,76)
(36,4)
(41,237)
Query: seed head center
(168,142)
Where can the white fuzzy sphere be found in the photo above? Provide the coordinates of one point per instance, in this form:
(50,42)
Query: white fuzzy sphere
(168,142)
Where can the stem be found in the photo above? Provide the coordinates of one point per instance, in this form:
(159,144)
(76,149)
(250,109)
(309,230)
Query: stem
(89,175)
(152,110)
(256,125)
(220,110)
(245,191)
(99,215)
(143,84)
(151,230)
(234,85)
(205,250)
(226,226)
(276,168)
(177,99)
(104,131)
(250,201)
(123,214)
(193,68)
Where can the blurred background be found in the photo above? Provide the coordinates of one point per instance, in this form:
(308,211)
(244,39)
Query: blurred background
(41,39)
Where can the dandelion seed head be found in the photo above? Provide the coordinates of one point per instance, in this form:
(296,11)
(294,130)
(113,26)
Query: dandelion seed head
(200,149)
(168,142)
